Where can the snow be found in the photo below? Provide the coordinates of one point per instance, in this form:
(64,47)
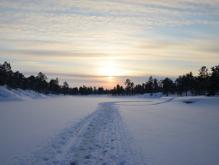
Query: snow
(175,132)
(18,94)
(108,130)
(26,124)
(152,95)
(100,138)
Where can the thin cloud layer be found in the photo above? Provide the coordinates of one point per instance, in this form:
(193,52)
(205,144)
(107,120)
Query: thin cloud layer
(141,37)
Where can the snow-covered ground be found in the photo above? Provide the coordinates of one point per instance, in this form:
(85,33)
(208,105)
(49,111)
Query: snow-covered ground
(109,130)
(175,132)
(18,94)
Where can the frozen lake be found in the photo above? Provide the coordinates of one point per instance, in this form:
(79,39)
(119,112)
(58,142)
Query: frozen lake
(110,130)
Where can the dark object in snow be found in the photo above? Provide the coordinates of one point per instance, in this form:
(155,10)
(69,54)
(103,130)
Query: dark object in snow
(72,163)
(87,157)
(188,102)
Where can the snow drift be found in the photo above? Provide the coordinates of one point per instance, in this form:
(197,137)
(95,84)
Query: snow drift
(18,94)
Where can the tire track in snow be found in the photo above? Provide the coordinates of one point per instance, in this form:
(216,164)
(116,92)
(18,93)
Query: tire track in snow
(99,139)
(148,102)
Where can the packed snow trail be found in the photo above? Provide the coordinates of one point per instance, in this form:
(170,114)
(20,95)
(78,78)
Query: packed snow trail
(99,139)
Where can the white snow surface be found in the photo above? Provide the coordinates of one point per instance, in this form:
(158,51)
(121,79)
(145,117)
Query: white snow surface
(18,94)
(174,132)
(98,130)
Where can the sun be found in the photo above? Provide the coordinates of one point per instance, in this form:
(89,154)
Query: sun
(109,68)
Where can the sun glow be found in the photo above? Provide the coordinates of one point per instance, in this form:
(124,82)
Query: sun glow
(110,69)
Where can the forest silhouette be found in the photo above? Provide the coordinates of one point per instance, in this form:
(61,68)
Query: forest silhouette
(205,83)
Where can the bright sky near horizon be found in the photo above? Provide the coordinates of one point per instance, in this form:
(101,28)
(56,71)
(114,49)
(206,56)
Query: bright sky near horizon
(92,41)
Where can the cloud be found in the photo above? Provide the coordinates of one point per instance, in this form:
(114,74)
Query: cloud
(71,36)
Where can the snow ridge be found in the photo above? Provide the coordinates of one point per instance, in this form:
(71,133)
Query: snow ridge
(7,94)
(99,139)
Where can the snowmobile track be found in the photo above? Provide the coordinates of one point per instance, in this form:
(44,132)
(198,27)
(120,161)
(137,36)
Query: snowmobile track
(99,139)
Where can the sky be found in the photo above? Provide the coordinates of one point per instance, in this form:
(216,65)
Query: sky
(102,42)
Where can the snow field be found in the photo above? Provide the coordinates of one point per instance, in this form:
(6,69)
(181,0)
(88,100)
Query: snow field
(101,130)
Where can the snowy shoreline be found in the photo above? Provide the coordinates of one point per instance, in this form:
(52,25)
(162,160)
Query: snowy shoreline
(7,94)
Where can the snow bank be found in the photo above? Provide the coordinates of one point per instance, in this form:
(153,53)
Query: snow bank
(6,94)
(153,95)
(18,94)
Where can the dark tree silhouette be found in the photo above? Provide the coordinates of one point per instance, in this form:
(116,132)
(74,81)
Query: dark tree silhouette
(139,89)
(203,72)
(149,85)
(203,80)
(41,76)
(54,85)
(206,83)
(118,90)
(168,86)
(65,88)
(6,67)
(214,81)
(185,83)
(155,85)
(129,87)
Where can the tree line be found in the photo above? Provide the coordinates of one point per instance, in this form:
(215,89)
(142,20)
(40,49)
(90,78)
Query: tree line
(40,83)
(205,83)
